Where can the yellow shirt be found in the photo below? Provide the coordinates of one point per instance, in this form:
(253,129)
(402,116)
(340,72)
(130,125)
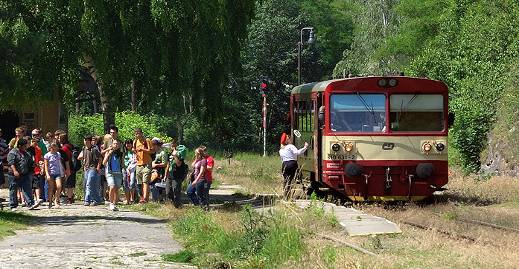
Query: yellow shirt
(143,157)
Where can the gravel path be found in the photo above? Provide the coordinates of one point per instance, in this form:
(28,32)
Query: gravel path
(89,237)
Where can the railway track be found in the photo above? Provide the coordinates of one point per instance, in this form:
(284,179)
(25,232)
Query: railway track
(484,223)
(463,236)
(488,224)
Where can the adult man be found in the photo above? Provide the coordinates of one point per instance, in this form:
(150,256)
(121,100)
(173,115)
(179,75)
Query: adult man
(4,149)
(177,174)
(92,161)
(114,135)
(159,168)
(143,149)
(208,172)
(21,167)
(19,132)
(36,133)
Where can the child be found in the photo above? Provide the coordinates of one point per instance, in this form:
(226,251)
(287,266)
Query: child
(38,179)
(113,161)
(130,162)
(55,173)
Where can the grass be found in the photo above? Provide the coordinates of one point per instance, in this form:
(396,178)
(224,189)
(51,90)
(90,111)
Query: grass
(184,256)
(289,237)
(12,221)
(255,173)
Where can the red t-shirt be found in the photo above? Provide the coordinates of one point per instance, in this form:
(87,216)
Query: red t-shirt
(209,173)
(37,159)
(67,148)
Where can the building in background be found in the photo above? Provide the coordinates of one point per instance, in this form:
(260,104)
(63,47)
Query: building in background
(49,116)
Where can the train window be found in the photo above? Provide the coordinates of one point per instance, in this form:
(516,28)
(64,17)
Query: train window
(304,116)
(358,113)
(416,112)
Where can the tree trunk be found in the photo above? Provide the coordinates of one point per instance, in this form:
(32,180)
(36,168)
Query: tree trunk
(135,88)
(180,131)
(106,108)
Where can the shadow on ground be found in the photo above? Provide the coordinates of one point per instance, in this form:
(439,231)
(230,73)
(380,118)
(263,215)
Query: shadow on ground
(81,220)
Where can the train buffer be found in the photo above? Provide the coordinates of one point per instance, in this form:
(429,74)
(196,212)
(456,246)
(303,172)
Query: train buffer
(355,222)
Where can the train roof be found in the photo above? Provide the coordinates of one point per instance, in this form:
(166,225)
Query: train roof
(323,85)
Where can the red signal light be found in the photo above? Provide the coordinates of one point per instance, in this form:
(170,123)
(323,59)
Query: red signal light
(263,85)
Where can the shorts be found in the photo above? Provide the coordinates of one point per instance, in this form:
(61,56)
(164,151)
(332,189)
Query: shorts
(143,173)
(129,182)
(55,177)
(38,182)
(70,183)
(114,179)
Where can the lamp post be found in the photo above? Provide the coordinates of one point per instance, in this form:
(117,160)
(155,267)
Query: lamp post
(311,39)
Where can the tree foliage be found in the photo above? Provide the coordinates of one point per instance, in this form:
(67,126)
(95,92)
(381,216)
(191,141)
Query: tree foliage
(468,44)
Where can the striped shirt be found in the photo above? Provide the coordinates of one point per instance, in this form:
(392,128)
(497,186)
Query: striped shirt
(4,149)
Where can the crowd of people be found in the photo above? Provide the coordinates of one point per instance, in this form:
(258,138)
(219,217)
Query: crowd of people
(43,169)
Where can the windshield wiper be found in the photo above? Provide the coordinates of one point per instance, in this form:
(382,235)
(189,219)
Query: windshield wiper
(402,107)
(371,110)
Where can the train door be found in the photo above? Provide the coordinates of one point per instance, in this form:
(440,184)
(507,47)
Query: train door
(303,131)
(317,100)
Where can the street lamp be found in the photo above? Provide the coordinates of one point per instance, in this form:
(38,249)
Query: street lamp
(311,39)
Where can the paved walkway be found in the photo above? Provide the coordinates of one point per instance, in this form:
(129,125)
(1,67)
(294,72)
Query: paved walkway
(89,237)
(355,222)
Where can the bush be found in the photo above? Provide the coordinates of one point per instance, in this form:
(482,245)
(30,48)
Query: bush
(152,126)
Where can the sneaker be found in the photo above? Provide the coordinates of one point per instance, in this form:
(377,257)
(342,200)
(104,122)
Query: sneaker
(50,205)
(94,204)
(14,209)
(86,203)
(111,207)
(57,206)
(115,208)
(35,205)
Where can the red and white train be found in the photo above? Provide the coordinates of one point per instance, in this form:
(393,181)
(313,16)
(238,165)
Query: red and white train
(373,138)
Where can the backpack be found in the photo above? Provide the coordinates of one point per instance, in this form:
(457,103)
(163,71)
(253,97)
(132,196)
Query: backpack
(181,151)
(75,164)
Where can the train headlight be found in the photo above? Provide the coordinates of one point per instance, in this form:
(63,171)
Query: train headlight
(393,82)
(440,146)
(426,147)
(336,147)
(348,147)
(382,83)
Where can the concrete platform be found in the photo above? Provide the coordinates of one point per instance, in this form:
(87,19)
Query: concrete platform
(355,222)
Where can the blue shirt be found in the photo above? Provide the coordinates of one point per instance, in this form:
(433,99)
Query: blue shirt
(115,164)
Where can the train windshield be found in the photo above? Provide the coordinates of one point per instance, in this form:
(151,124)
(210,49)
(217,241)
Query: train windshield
(416,112)
(357,112)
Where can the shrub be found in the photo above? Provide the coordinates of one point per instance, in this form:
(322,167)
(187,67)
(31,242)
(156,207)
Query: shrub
(152,126)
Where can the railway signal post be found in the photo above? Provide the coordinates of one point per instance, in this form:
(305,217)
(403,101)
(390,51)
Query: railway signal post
(263,90)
